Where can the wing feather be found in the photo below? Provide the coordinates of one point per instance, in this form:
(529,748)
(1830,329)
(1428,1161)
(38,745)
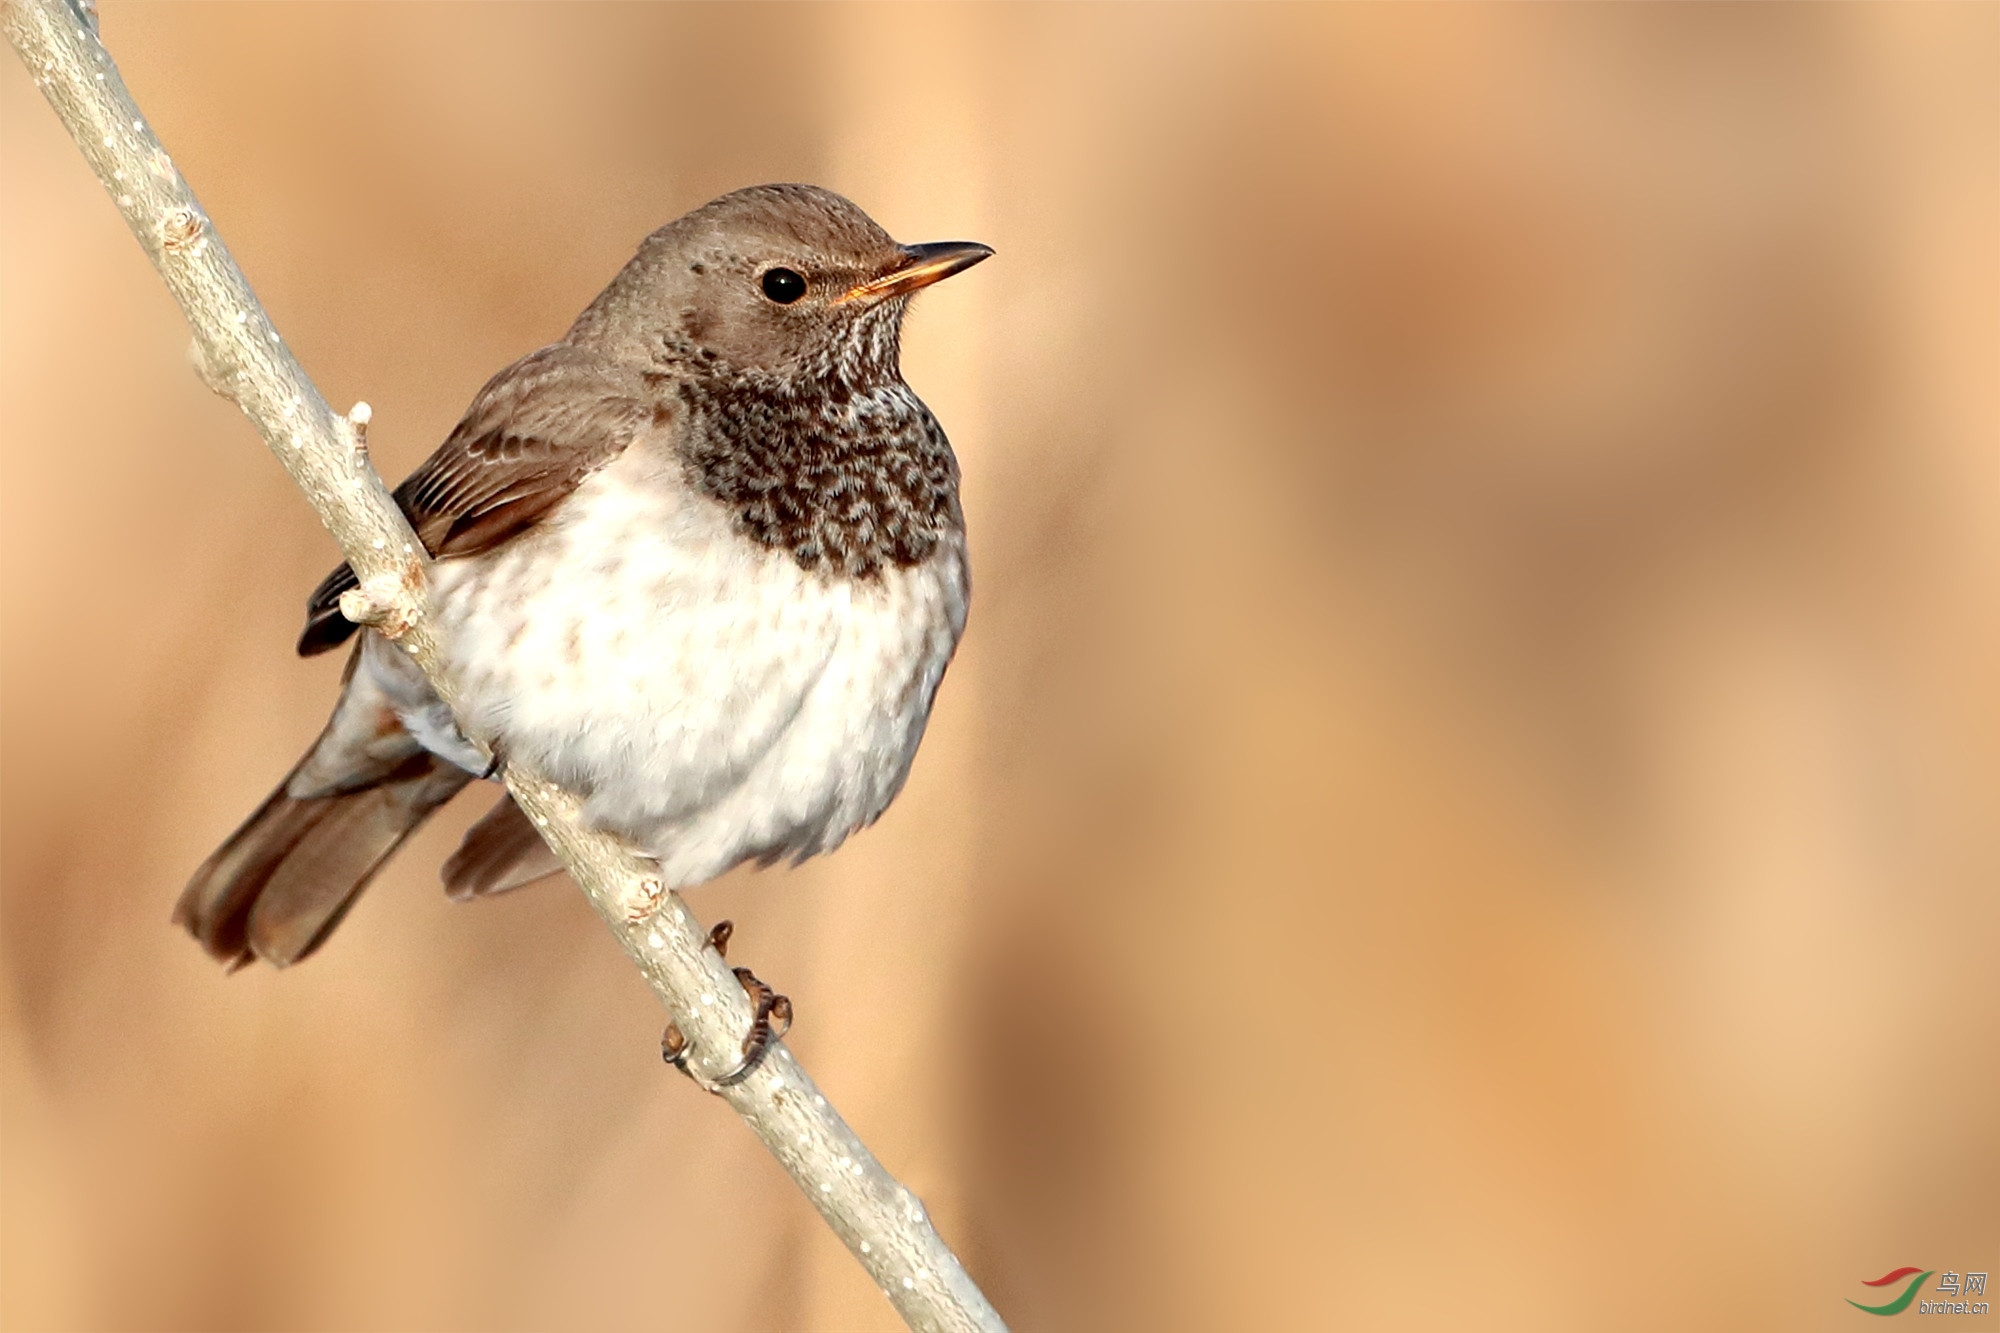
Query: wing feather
(532,435)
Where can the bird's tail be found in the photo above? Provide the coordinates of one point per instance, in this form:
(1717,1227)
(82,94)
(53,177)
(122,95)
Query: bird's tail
(277,888)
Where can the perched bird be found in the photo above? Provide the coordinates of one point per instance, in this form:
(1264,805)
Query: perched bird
(701,562)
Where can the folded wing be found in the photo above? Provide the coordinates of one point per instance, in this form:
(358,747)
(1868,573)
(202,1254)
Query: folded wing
(532,435)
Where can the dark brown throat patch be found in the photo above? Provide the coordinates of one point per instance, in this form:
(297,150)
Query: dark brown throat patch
(848,481)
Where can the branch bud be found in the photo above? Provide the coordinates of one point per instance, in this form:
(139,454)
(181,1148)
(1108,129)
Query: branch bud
(380,602)
(207,371)
(357,419)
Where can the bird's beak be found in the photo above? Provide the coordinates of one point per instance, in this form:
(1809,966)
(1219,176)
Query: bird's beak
(922,265)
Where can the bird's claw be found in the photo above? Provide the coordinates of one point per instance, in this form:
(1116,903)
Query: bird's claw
(770,1017)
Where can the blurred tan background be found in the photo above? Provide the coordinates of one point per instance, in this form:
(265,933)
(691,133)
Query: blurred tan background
(1468,799)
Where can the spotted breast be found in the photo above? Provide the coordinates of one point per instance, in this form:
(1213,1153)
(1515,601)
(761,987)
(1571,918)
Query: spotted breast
(714,699)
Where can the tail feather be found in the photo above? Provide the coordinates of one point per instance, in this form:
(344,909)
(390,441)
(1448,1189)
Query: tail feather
(500,852)
(284,880)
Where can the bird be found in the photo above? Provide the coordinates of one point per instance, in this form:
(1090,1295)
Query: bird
(702,562)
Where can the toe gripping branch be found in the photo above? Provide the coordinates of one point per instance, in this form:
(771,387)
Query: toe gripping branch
(771,1016)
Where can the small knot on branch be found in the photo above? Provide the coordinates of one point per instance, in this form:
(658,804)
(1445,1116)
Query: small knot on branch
(381,602)
(180,229)
(643,904)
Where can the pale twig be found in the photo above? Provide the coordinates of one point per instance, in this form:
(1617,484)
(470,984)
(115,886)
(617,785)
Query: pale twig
(239,354)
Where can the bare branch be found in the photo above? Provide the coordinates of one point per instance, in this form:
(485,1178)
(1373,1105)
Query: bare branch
(239,354)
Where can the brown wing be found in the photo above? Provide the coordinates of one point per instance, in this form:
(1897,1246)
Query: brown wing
(532,435)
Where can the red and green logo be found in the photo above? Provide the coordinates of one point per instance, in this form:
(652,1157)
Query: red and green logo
(1902,1302)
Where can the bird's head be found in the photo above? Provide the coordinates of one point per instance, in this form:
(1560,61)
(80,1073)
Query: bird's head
(787,281)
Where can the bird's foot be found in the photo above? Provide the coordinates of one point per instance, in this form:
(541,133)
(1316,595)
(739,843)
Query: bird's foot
(770,1017)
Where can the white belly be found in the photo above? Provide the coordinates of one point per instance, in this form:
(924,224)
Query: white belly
(711,700)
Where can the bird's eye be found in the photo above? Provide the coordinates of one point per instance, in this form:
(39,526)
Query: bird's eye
(783,285)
